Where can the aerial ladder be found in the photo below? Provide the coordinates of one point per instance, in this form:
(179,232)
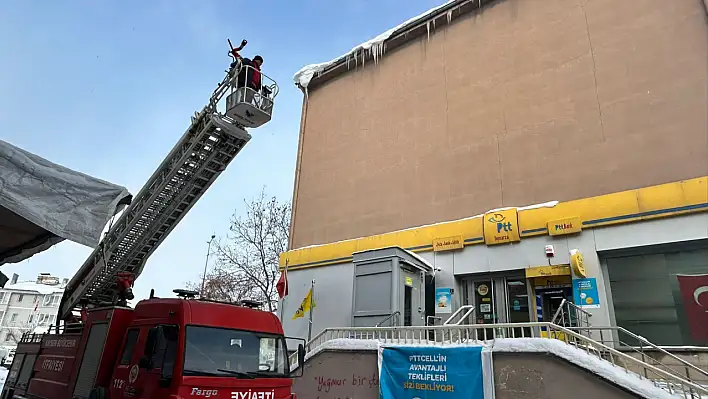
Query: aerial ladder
(215,136)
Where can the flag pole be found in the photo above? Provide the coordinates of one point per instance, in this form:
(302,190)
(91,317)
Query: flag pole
(312,305)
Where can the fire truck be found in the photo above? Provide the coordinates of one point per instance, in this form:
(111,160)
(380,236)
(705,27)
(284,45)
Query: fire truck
(179,347)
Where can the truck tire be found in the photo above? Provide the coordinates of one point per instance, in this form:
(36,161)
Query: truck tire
(98,393)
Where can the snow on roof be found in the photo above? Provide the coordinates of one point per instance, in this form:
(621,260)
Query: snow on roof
(616,374)
(549,204)
(375,47)
(34,287)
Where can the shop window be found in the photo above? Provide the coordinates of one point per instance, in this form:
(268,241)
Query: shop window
(647,296)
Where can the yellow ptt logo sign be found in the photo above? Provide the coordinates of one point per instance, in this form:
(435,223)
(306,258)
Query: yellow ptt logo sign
(501,227)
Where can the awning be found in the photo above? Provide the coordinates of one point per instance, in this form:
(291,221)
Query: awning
(42,203)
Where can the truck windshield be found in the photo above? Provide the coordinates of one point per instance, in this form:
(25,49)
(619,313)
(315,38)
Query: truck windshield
(212,351)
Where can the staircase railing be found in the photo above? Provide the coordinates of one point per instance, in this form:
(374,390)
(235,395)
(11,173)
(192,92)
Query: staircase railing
(393,318)
(468,309)
(476,333)
(629,342)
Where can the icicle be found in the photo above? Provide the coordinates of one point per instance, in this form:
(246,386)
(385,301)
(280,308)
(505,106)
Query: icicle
(449,16)
(427,26)
(433,24)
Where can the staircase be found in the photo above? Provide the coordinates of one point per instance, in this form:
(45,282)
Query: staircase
(686,381)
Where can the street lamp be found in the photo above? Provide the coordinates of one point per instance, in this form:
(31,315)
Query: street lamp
(206,263)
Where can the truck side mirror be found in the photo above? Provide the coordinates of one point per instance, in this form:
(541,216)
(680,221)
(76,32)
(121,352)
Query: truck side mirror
(301,355)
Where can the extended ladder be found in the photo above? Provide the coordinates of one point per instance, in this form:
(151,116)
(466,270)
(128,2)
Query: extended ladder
(212,141)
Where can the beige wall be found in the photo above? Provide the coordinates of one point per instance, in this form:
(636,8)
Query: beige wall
(527,101)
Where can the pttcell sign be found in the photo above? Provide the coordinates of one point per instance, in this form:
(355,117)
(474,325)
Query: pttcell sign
(431,372)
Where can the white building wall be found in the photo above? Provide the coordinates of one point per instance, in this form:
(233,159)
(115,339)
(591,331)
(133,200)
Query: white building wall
(25,306)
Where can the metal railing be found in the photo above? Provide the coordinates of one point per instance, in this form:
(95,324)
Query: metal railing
(480,333)
(393,318)
(571,315)
(646,351)
(468,309)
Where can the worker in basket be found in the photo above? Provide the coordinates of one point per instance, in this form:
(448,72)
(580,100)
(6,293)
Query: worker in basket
(250,74)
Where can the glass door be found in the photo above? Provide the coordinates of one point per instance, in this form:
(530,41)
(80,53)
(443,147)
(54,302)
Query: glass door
(485,308)
(517,307)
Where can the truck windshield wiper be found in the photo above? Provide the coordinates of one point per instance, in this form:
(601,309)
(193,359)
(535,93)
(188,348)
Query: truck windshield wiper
(237,373)
(197,372)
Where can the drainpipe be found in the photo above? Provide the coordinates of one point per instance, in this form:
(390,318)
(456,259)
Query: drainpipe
(303,122)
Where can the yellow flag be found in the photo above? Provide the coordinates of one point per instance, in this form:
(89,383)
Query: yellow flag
(305,306)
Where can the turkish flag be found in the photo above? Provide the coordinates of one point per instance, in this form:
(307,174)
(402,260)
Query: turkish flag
(694,293)
(282,284)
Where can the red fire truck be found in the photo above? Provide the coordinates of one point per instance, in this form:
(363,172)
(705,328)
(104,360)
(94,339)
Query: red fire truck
(182,347)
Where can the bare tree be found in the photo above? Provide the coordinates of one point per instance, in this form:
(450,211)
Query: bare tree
(246,260)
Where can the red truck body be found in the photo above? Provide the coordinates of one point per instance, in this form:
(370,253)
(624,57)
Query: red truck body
(162,349)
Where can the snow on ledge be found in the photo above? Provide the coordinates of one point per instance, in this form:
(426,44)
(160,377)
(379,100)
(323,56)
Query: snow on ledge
(344,344)
(374,46)
(549,204)
(592,363)
(618,375)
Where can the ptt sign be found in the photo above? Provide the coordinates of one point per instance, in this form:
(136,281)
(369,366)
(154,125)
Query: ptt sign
(501,227)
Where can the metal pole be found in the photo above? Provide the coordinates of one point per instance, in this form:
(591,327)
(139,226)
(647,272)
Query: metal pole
(206,264)
(312,305)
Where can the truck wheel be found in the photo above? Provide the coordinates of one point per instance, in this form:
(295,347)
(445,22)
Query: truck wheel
(98,393)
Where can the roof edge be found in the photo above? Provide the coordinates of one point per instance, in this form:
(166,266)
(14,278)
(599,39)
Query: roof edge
(375,48)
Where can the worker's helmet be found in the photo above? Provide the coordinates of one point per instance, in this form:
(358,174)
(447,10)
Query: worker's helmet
(258,58)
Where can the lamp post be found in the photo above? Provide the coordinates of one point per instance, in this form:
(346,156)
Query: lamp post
(206,264)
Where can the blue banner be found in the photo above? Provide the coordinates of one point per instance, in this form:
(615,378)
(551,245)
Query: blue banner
(585,293)
(431,372)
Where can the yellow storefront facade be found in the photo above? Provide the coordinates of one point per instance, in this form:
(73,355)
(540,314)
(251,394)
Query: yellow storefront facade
(618,256)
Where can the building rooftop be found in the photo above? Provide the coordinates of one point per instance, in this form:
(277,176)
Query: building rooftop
(376,47)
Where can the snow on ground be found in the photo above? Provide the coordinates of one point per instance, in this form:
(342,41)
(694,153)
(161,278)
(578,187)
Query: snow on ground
(592,363)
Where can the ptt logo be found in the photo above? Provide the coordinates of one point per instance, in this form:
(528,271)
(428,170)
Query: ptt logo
(502,224)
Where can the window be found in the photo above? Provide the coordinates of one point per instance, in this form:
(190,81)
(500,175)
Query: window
(30,319)
(51,319)
(648,295)
(242,354)
(3,297)
(55,300)
(13,319)
(47,300)
(130,339)
(20,297)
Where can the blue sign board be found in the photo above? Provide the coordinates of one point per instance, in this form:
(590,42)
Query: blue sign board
(431,372)
(585,293)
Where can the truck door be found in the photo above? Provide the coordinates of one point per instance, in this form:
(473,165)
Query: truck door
(121,373)
(156,365)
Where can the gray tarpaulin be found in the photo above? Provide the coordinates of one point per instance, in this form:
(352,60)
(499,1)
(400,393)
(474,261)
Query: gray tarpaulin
(42,203)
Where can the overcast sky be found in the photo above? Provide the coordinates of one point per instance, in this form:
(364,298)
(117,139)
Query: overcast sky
(107,88)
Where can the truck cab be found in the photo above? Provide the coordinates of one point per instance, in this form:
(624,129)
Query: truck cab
(164,348)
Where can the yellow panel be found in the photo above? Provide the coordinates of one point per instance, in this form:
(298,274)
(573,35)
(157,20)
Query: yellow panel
(565,226)
(448,243)
(501,227)
(546,271)
(665,200)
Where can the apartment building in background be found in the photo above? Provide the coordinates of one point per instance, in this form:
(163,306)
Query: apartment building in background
(29,306)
